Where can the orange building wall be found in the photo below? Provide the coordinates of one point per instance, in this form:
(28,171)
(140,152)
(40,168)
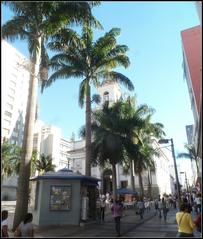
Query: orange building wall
(191,39)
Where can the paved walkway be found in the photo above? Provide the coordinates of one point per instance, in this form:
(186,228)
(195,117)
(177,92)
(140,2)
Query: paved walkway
(131,226)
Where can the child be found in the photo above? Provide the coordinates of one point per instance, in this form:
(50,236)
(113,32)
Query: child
(4,223)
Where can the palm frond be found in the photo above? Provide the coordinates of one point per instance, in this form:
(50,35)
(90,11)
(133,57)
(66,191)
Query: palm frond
(82,92)
(119,77)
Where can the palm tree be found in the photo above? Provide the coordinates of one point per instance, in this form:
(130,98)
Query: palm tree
(35,22)
(112,137)
(144,161)
(191,154)
(81,57)
(142,158)
(44,164)
(10,159)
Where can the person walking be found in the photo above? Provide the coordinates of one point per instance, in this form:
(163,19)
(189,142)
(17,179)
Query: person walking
(4,223)
(184,221)
(25,228)
(116,210)
(156,206)
(102,207)
(198,223)
(159,207)
(140,205)
(165,208)
(198,203)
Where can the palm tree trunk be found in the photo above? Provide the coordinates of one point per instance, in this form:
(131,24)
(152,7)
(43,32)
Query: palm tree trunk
(88,132)
(114,181)
(141,185)
(24,173)
(131,176)
(149,185)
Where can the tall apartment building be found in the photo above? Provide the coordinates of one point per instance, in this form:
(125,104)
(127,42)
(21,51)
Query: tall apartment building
(15,84)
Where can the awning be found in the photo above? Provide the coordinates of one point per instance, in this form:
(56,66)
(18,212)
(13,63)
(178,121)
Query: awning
(126,191)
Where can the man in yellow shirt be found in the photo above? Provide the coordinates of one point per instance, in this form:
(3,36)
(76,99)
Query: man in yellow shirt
(185,222)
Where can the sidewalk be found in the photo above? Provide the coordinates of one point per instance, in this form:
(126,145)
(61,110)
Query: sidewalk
(96,228)
(131,226)
(90,229)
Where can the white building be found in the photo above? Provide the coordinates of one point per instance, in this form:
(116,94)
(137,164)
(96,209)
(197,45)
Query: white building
(15,84)
(69,153)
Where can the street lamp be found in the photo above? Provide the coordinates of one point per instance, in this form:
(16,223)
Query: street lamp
(185,180)
(165,141)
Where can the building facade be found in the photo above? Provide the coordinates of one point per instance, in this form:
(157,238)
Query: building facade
(15,86)
(192,62)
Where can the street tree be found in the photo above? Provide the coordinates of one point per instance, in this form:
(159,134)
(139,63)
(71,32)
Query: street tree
(93,62)
(36,22)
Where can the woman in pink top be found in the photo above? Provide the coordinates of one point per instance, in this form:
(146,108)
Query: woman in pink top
(116,210)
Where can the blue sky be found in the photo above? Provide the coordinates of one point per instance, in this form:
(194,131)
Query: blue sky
(151,30)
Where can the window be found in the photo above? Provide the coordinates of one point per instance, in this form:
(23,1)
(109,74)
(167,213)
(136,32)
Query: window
(60,198)
(106,96)
(8,114)
(11,91)
(9,106)
(11,98)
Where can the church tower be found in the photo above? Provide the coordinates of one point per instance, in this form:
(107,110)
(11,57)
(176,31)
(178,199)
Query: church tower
(109,91)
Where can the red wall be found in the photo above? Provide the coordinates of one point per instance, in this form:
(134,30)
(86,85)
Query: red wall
(191,39)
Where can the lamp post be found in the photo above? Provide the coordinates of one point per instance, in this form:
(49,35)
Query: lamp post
(165,141)
(186,184)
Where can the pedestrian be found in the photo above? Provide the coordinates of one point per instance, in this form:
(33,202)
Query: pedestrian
(140,205)
(184,221)
(102,207)
(4,223)
(159,207)
(116,210)
(198,223)
(198,203)
(174,203)
(156,206)
(25,229)
(165,208)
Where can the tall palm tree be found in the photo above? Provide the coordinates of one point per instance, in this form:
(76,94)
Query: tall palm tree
(142,138)
(35,22)
(190,154)
(112,137)
(81,57)
(144,161)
